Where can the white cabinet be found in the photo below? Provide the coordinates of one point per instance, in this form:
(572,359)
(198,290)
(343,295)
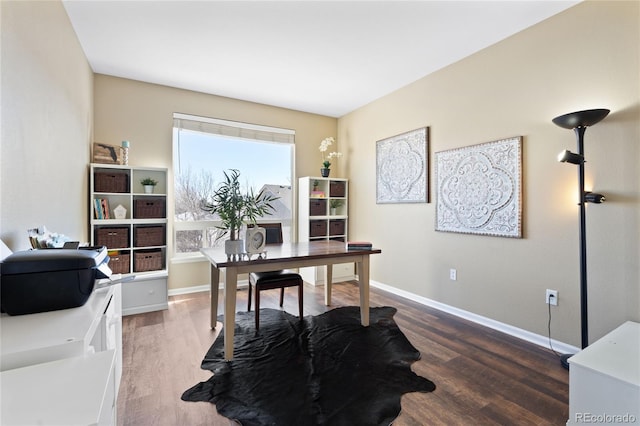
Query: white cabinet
(604,379)
(132,224)
(72,358)
(71,391)
(48,336)
(323,215)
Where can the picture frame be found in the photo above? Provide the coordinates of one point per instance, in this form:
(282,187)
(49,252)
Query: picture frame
(107,154)
(402,168)
(479,189)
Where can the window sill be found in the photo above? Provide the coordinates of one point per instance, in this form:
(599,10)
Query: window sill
(189,259)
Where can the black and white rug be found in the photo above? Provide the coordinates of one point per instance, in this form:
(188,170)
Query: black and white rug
(323,370)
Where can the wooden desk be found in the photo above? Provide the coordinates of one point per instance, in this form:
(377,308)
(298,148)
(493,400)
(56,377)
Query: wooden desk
(285,256)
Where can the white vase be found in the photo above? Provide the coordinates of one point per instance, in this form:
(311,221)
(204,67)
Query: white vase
(148,189)
(234,247)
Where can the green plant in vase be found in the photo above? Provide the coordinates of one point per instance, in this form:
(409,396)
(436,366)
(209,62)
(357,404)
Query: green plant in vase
(334,205)
(235,208)
(326,160)
(148,184)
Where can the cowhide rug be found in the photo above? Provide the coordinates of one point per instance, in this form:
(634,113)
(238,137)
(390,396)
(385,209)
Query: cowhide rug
(323,370)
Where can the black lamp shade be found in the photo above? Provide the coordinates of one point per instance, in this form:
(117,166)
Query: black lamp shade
(581,118)
(592,197)
(567,156)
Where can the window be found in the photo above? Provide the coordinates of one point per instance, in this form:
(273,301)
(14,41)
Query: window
(204,148)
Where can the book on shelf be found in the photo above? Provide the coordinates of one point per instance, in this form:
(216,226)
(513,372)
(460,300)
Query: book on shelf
(359,245)
(101,208)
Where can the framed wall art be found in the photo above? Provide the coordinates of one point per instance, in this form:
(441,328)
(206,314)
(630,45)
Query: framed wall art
(402,168)
(479,189)
(107,154)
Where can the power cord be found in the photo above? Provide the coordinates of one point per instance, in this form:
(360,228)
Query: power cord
(549,331)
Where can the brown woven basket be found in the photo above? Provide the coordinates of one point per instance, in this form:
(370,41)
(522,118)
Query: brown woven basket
(119,263)
(336,227)
(317,228)
(148,260)
(149,208)
(112,237)
(337,188)
(147,236)
(317,207)
(111,182)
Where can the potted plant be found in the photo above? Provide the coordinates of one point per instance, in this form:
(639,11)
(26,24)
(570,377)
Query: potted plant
(149,184)
(236,208)
(326,163)
(333,206)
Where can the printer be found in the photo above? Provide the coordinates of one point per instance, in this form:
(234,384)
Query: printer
(43,280)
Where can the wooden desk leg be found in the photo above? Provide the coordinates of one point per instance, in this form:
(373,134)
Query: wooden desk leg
(363,281)
(215,289)
(328,281)
(230,288)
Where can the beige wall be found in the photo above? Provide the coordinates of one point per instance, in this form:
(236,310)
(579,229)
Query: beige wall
(47,101)
(143,114)
(586,57)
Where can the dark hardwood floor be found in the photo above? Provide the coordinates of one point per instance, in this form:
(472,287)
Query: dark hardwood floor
(483,377)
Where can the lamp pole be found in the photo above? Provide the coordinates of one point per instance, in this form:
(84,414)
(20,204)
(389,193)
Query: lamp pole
(579,121)
(584,319)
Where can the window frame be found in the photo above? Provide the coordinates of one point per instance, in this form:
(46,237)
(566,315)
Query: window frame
(231,130)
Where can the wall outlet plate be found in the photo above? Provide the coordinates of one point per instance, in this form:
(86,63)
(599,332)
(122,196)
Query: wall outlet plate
(551,297)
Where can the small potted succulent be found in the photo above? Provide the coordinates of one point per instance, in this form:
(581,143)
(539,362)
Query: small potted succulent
(333,206)
(149,185)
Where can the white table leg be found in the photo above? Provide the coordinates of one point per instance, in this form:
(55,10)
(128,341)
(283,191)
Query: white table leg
(328,281)
(230,288)
(363,281)
(215,289)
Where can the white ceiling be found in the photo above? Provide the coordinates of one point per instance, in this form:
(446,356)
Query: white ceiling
(324,57)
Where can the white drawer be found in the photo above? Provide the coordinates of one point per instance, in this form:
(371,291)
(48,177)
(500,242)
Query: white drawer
(79,391)
(142,295)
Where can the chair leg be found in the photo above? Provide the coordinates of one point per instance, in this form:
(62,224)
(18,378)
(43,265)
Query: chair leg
(281,296)
(300,293)
(249,299)
(257,308)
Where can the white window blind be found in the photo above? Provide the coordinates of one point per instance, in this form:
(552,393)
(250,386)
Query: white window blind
(233,129)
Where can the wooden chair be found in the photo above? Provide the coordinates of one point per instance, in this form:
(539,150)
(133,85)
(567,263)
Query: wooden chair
(273,279)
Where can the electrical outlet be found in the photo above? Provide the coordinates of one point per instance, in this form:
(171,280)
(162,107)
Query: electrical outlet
(453,274)
(551,297)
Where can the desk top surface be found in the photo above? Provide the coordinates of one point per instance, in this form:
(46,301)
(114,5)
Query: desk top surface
(287,251)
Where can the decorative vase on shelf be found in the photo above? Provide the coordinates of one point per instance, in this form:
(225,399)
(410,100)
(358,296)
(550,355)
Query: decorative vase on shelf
(333,211)
(148,189)
(325,171)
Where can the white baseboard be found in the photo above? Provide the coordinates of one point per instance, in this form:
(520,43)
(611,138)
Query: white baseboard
(528,336)
(203,287)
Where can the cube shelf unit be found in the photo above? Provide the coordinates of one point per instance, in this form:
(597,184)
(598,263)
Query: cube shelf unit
(137,242)
(318,221)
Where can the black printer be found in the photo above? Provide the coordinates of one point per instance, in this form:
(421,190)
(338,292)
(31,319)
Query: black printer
(44,280)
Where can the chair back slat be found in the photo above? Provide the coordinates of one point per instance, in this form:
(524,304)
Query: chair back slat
(273,232)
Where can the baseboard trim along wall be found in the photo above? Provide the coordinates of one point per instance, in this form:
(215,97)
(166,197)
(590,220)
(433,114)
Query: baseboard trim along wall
(534,338)
(203,287)
(528,336)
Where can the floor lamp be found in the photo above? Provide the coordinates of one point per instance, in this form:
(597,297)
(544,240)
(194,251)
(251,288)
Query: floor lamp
(579,121)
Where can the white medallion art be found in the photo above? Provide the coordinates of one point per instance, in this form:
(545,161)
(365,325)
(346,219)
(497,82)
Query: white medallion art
(402,168)
(480,189)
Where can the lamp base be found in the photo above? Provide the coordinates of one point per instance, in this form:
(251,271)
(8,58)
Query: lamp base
(564,360)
